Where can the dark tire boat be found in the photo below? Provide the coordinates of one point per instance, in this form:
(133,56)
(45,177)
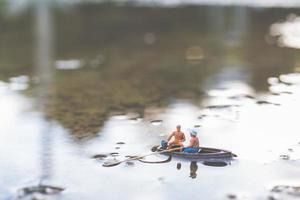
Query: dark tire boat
(204,154)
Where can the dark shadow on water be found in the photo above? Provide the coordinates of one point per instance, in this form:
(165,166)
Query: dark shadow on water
(215,163)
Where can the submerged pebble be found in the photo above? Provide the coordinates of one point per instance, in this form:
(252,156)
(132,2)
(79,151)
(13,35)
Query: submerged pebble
(197,126)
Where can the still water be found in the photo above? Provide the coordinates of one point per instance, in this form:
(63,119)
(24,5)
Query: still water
(87,79)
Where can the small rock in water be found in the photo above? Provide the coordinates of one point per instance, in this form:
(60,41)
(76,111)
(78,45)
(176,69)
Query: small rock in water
(241,96)
(231,196)
(221,106)
(202,116)
(162,179)
(272,197)
(267,102)
(285,157)
(156,122)
(291,150)
(99,156)
(117,147)
(114,154)
(197,126)
(120,143)
(275,94)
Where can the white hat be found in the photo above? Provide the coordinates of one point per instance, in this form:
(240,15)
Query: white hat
(193,132)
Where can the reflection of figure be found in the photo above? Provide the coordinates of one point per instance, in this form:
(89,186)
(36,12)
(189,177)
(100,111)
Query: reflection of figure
(178,137)
(193,169)
(193,146)
(178,166)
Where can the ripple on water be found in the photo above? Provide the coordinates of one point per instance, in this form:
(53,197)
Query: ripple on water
(156,122)
(225,106)
(293,78)
(39,190)
(135,120)
(273,80)
(19,83)
(285,192)
(263,102)
(241,96)
(120,116)
(68,64)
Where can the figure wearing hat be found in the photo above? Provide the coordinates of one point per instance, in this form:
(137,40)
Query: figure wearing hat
(193,146)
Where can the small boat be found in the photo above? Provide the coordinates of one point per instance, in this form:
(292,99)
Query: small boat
(203,154)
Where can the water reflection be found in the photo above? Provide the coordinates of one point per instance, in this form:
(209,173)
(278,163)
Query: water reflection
(193,169)
(197,66)
(44,57)
(129,73)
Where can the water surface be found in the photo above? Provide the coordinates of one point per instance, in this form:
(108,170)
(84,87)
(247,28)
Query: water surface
(102,79)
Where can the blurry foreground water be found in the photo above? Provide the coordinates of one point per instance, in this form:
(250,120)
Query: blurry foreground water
(115,80)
